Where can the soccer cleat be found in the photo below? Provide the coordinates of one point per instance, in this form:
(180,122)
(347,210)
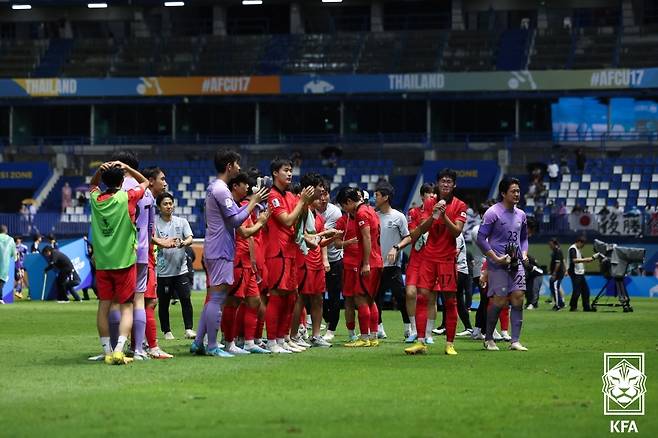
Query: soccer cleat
(236,351)
(429,340)
(99,358)
(292,347)
(61,301)
(140,355)
(491,346)
(477,335)
(255,349)
(118,358)
(169,336)
(463,333)
(358,343)
(517,346)
(197,349)
(411,338)
(417,348)
(218,352)
(439,331)
(450,350)
(190,334)
(157,353)
(319,342)
(300,342)
(329,336)
(530,307)
(506,336)
(374,342)
(496,336)
(18,295)
(262,344)
(278,349)
(352,338)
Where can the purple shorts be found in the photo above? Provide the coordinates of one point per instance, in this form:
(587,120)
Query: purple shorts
(502,282)
(219,271)
(142,277)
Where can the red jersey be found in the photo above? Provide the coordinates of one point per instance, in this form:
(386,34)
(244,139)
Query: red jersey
(242,256)
(366,216)
(441,244)
(351,253)
(415,219)
(313,259)
(259,241)
(280,239)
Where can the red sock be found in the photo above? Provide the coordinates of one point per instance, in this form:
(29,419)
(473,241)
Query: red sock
(272,315)
(239,321)
(451,317)
(374,318)
(286,315)
(351,325)
(364,319)
(228,322)
(151,328)
(504,318)
(250,323)
(421,315)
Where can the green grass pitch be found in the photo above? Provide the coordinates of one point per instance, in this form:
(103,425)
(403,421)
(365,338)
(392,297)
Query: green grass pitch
(49,389)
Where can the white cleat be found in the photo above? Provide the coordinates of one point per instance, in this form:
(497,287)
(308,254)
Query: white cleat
(169,336)
(235,350)
(157,353)
(99,358)
(477,334)
(530,307)
(463,333)
(276,349)
(329,336)
(491,346)
(300,342)
(292,347)
(190,334)
(319,341)
(496,336)
(140,355)
(505,335)
(517,346)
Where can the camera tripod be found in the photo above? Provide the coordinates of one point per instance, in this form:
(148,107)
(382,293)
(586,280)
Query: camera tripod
(620,292)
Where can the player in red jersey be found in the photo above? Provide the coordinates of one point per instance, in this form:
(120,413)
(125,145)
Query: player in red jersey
(365,279)
(281,251)
(351,257)
(444,220)
(244,292)
(413,300)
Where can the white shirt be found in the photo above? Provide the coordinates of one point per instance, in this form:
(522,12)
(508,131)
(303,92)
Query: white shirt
(478,257)
(462,262)
(578,268)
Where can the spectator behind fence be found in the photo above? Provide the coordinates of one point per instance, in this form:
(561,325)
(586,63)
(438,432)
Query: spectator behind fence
(67,200)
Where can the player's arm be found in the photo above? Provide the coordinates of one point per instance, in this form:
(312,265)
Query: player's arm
(484,232)
(572,257)
(188,237)
(455,228)
(290,219)
(366,245)
(252,253)
(343,243)
(96,179)
(162,242)
(260,222)
(141,179)
(523,237)
(325,259)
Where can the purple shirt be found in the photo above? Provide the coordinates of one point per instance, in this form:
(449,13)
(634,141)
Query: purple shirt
(223,216)
(501,227)
(144,219)
(21,251)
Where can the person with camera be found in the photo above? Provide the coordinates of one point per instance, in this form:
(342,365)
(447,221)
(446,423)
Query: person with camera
(576,270)
(67,278)
(503,239)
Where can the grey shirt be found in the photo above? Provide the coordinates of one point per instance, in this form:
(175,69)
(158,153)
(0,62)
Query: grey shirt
(394,227)
(331,216)
(462,262)
(172,262)
(478,258)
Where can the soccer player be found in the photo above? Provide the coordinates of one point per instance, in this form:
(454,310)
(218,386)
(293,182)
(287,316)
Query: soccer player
(366,278)
(243,302)
(394,228)
(175,234)
(557,274)
(503,238)
(281,252)
(19,270)
(577,273)
(222,218)
(115,239)
(334,277)
(351,257)
(444,219)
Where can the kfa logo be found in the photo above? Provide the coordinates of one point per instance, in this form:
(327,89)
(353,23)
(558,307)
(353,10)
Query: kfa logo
(624,387)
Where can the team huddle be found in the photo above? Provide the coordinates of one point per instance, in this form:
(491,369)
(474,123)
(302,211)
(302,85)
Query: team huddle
(272,252)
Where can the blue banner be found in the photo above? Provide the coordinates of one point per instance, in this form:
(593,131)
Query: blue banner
(470,174)
(23,175)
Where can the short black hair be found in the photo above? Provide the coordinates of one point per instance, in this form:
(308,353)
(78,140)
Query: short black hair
(346,194)
(450,173)
(426,188)
(385,189)
(482,208)
(311,179)
(240,178)
(46,248)
(295,188)
(506,183)
(162,196)
(325,183)
(113,177)
(152,172)
(127,157)
(554,240)
(223,158)
(581,238)
(278,163)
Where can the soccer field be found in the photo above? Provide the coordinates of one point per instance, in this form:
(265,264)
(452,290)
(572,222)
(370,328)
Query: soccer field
(48,388)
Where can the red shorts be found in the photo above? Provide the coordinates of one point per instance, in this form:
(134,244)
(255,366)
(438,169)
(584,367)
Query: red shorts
(245,283)
(411,276)
(151,284)
(438,276)
(282,274)
(116,285)
(356,284)
(311,281)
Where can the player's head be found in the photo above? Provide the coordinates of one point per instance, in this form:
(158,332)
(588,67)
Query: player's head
(157,181)
(446,181)
(47,251)
(239,186)
(580,241)
(426,191)
(17,239)
(509,190)
(3,229)
(37,238)
(281,170)
(325,194)
(127,157)
(554,243)
(383,194)
(314,180)
(165,202)
(227,162)
(113,178)
(348,198)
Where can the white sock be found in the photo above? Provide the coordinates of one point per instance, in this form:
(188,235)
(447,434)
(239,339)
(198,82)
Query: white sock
(350,332)
(280,341)
(429,327)
(287,338)
(120,343)
(230,345)
(476,331)
(407,328)
(105,343)
(249,344)
(271,343)
(412,322)
(329,332)
(380,328)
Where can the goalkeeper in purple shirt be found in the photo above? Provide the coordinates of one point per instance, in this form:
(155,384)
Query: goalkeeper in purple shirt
(503,239)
